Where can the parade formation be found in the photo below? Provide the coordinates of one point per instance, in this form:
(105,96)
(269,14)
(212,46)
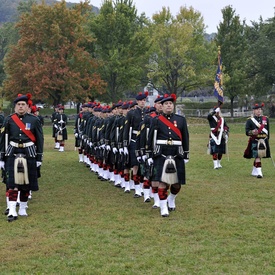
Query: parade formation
(141,149)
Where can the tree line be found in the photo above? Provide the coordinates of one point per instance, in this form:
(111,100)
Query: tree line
(59,53)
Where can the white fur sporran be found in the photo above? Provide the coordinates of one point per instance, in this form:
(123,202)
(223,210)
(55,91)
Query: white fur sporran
(261,148)
(20,170)
(169,171)
(59,136)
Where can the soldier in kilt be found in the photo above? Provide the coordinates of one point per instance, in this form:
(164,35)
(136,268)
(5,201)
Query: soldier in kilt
(60,123)
(53,117)
(131,127)
(21,150)
(257,128)
(218,137)
(168,152)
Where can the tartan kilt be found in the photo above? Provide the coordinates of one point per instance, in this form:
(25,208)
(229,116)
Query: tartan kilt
(252,149)
(159,160)
(32,172)
(217,149)
(132,154)
(77,142)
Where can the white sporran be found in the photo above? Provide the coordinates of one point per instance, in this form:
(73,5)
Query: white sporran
(169,171)
(20,170)
(261,148)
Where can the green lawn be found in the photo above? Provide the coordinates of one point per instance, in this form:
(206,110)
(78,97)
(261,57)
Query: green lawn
(224,222)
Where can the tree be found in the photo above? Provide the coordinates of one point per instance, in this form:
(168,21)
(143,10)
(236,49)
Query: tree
(121,47)
(230,38)
(181,58)
(49,60)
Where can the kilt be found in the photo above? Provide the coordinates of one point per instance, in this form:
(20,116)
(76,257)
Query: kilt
(159,160)
(217,149)
(252,149)
(132,154)
(32,172)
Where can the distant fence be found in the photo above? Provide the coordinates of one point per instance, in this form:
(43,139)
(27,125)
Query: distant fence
(203,112)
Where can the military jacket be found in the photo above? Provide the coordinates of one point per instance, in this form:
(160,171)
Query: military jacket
(11,131)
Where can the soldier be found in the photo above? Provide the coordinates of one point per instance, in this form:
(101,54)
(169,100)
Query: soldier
(35,111)
(143,133)
(77,130)
(257,128)
(21,150)
(218,137)
(131,127)
(60,123)
(168,151)
(53,116)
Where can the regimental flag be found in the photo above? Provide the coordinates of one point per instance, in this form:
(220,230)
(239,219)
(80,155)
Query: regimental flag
(218,89)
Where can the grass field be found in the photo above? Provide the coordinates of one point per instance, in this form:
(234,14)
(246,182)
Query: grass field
(224,222)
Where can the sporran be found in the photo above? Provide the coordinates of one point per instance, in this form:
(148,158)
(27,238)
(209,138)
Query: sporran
(169,171)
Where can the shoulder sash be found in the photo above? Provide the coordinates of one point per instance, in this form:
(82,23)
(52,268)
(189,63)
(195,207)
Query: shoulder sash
(260,126)
(219,138)
(171,125)
(22,126)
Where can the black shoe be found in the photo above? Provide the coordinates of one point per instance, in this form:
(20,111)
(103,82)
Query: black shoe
(165,215)
(127,191)
(171,209)
(12,218)
(147,200)
(137,196)
(7,211)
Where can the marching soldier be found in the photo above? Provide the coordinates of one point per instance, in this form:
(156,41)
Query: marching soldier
(131,127)
(168,151)
(143,138)
(60,123)
(21,150)
(53,117)
(257,128)
(218,137)
(78,132)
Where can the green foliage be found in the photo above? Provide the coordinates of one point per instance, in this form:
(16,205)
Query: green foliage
(181,58)
(121,46)
(49,60)
(80,225)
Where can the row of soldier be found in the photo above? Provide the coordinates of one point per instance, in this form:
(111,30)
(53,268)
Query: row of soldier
(136,147)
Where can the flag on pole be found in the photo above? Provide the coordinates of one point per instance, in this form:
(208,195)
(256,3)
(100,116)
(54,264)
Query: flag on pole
(218,89)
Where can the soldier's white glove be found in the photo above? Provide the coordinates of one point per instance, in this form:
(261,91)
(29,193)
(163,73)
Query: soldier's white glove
(186,160)
(108,147)
(38,163)
(115,150)
(150,161)
(144,158)
(125,151)
(102,146)
(76,135)
(121,151)
(218,110)
(139,159)
(91,144)
(2,165)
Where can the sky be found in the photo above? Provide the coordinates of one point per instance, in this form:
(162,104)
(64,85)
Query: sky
(209,9)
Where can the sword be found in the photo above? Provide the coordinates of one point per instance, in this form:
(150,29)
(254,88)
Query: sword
(272,160)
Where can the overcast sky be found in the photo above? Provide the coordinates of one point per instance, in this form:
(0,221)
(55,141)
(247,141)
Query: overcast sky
(210,9)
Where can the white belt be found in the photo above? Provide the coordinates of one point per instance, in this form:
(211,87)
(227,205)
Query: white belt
(169,142)
(21,145)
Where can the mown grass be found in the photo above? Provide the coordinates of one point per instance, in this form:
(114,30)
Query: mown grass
(224,222)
